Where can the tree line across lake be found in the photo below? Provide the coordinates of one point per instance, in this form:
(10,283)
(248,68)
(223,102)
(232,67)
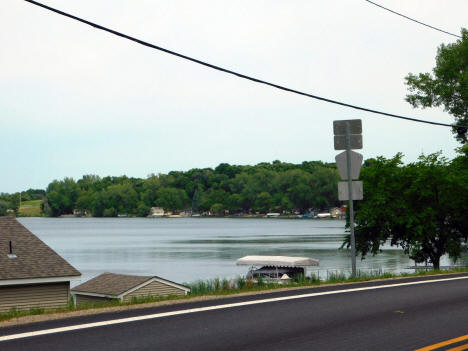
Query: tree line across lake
(232,189)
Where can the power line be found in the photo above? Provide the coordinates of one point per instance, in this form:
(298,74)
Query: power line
(412,19)
(240,75)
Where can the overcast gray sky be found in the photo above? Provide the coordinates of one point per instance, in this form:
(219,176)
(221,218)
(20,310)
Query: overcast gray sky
(75,100)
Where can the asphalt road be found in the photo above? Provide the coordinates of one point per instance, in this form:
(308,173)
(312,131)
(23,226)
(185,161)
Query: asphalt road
(405,317)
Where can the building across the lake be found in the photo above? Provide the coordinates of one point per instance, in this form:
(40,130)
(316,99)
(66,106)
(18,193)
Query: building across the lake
(32,275)
(111,286)
(156,212)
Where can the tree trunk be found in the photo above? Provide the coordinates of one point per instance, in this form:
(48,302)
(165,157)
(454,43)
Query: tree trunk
(436,262)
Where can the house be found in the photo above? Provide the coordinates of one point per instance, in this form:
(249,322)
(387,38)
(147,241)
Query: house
(156,212)
(335,212)
(32,275)
(110,286)
(186,213)
(79,213)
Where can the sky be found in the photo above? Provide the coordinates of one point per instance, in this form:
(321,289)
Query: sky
(75,100)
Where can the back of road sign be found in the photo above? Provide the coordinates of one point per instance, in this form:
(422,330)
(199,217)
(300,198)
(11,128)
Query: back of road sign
(355,141)
(355,136)
(356,162)
(355,126)
(343,193)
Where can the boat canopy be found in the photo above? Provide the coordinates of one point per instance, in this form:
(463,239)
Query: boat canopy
(278,261)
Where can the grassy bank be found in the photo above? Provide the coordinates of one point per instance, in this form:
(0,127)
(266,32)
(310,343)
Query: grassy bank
(30,209)
(219,287)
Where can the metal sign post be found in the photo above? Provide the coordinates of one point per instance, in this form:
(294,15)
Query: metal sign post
(351,204)
(348,136)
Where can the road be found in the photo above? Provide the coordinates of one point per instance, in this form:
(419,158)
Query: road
(383,315)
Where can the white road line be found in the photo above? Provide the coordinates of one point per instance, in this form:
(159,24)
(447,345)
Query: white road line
(211,308)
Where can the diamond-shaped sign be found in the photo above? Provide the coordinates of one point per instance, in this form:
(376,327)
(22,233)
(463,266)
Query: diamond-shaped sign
(356,162)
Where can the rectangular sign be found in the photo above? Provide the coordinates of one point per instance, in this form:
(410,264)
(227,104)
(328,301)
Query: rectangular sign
(355,126)
(355,141)
(358,193)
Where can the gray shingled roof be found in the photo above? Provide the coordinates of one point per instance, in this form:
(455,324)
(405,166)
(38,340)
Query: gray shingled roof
(34,258)
(114,284)
(111,284)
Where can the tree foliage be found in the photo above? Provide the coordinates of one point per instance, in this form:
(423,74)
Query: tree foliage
(3,208)
(447,86)
(420,207)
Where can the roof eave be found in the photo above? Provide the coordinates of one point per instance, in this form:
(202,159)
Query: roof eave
(43,280)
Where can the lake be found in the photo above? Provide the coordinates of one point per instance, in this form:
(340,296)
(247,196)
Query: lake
(187,249)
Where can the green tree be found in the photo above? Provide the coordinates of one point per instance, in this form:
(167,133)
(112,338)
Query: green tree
(110,212)
(413,207)
(217,209)
(84,201)
(151,186)
(447,86)
(324,187)
(234,202)
(89,182)
(98,204)
(196,201)
(286,204)
(143,209)
(121,197)
(3,208)
(15,203)
(60,197)
(264,202)
(172,199)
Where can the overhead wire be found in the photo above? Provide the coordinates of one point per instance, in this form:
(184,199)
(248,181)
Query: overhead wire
(240,75)
(412,19)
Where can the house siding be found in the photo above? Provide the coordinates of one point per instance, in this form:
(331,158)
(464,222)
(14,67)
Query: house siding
(85,299)
(154,289)
(24,297)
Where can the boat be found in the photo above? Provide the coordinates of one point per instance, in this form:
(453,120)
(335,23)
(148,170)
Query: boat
(324,215)
(272,215)
(276,269)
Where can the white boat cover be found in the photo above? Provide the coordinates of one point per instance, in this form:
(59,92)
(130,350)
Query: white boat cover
(279,261)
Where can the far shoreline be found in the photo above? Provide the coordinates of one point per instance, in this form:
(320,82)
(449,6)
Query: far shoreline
(194,217)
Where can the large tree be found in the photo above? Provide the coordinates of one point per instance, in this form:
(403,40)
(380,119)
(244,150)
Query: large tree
(61,196)
(447,86)
(420,207)
(172,199)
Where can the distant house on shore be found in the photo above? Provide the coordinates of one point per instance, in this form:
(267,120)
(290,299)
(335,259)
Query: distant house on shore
(32,275)
(110,286)
(335,212)
(156,212)
(186,213)
(79,213)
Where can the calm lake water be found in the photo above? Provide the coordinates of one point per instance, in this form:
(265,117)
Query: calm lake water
(187,249)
